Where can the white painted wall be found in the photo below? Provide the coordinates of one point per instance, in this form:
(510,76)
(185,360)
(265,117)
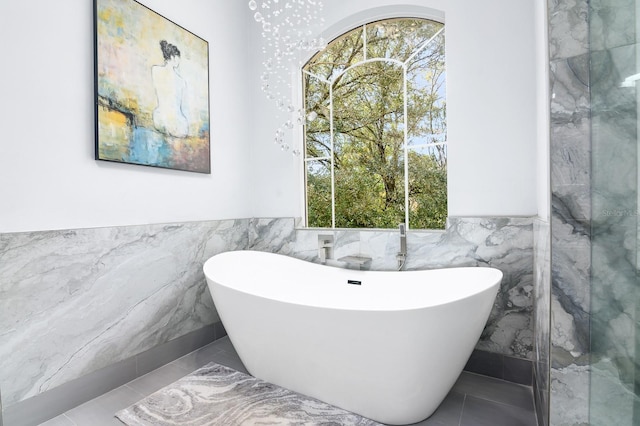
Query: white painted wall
(492,106)
(543,112)
(48,177)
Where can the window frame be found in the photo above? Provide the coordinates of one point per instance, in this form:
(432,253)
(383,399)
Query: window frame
(300,73)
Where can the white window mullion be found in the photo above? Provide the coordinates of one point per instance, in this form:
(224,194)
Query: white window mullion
(424,46)
(406,147)
(337,71)
(333,176)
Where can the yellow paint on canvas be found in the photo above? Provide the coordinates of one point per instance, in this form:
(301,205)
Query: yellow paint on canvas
(112,16)
(115,134)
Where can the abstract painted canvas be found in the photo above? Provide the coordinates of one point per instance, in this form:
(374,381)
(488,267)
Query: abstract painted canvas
(152,89)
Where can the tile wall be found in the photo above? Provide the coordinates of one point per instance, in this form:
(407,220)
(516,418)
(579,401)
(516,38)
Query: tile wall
(542,320)
(73,302)
(504,243)
(570,153)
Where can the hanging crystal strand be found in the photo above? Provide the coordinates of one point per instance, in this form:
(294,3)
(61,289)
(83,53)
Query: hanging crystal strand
(287,27)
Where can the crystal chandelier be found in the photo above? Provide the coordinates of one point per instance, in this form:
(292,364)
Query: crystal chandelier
(287,29)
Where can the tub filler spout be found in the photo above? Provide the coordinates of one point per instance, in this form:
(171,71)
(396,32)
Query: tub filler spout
(402,254)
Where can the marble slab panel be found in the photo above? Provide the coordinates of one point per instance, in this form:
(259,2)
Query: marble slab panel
(542,312)
(612,399)
(272,234)
(569,83)
(612,23)
(570,225)
(74,301)
(504,243)
(569,404)
(614,238)
(568,28)
(78,300)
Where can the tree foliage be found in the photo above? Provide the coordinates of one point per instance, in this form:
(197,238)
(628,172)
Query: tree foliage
(367,127)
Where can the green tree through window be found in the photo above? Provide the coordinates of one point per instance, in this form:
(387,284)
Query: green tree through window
(375,136)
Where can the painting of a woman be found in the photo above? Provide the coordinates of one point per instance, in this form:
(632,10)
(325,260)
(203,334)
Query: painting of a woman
(152,89)
(171,91)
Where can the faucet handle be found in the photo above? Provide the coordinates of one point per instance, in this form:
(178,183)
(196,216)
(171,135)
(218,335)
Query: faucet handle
(325,240)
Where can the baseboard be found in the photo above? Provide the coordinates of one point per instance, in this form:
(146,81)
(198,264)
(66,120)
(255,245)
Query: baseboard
(54,402)
(504,367)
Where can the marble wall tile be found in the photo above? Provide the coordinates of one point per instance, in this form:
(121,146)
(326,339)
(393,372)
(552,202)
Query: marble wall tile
(102,295)
(274,235)
(612,23)
(614,314)
(612,400)
(542,312)
(570,301)
(568,28)
(74,301)
(569,83)
(570,224)
(504,243)
(593,183)
(609,68)
(383,246)
(569,402)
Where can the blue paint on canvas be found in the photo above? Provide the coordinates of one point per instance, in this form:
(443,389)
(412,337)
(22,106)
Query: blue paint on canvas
(149,147)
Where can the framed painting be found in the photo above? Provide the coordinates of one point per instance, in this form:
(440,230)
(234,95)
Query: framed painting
(151,89)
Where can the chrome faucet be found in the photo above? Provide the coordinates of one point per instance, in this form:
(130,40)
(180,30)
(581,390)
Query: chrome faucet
(325,247)
(402,254)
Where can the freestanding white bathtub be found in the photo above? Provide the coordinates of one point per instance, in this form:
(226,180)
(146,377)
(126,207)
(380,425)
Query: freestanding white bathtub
(389,348)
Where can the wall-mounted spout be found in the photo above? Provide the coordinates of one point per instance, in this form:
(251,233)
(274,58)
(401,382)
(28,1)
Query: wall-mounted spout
(402,254)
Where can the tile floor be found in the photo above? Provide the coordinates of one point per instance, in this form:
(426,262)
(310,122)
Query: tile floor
(475,400)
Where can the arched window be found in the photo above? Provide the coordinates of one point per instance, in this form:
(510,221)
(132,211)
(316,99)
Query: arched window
(375,134)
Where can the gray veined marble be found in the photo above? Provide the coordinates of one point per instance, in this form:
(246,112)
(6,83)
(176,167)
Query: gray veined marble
(612,23)
(542,312)
(74,301)
(216,395)
(274,235)
(568,28)
(504,243)
(614,302)
(570,168)
(569,89)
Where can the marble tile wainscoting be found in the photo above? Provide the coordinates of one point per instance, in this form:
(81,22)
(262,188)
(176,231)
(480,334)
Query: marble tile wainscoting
(76,305)
(74,302)
(542,320)
(504,243)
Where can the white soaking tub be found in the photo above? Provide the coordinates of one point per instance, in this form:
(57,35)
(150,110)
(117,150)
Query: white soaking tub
(386,345)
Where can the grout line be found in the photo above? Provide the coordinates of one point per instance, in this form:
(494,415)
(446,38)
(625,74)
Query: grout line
(134,390)
(176,364)
(506,404)
(69,419)
(464,400)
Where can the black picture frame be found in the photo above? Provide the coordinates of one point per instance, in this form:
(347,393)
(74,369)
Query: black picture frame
(151,89)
